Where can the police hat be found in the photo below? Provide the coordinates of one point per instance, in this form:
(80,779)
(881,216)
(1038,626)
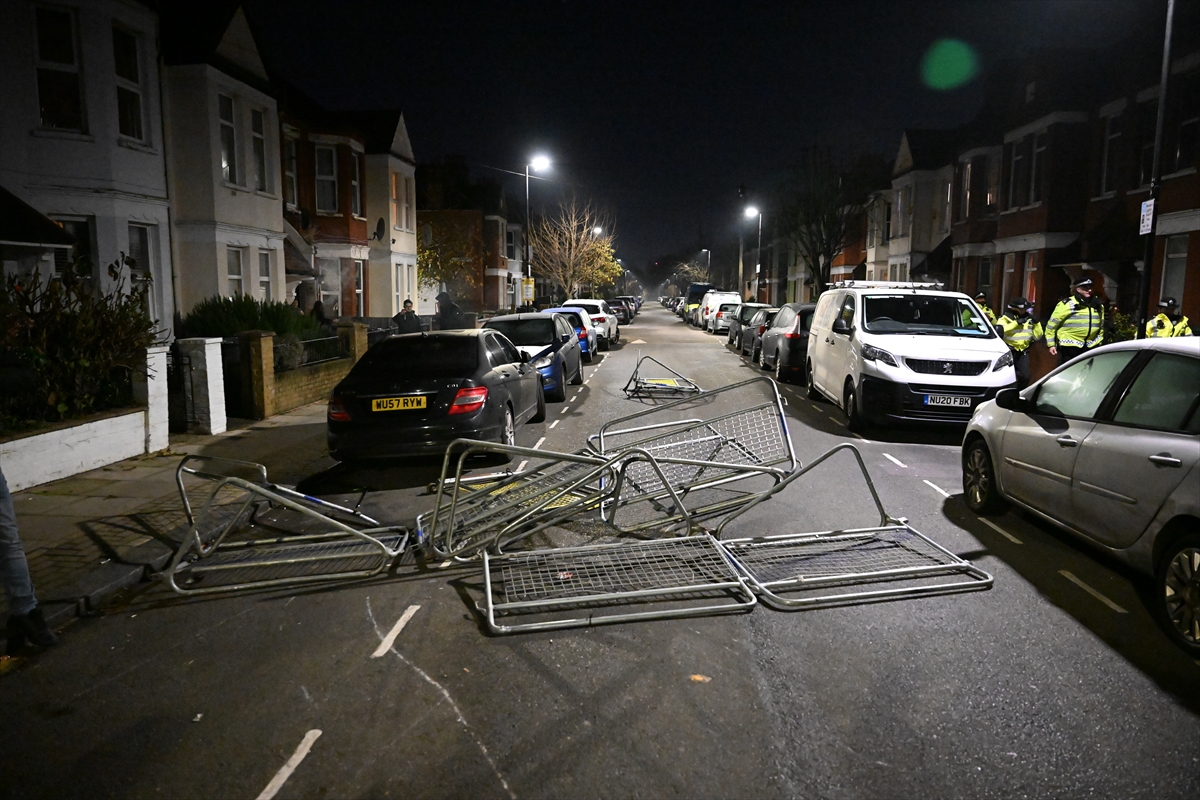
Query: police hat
(981,296)
(1082,283)
(1019,304)
(1167,302)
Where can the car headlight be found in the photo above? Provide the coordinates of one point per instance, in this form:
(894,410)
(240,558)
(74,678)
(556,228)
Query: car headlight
(872,353)
(1003,361)
(543,362)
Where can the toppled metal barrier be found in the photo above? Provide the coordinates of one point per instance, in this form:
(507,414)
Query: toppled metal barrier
(664,382)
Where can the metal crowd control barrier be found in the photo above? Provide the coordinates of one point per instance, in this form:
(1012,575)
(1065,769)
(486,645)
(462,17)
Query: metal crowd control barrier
(222,552)
(670,385)
(574,587)
(840,567)
(506,508)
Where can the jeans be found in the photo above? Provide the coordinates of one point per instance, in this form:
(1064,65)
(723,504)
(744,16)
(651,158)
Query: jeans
(14,569)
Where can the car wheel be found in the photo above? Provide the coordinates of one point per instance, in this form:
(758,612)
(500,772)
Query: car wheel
(979,479)
(560,390)
(603,343)
(578,379)
(540,414)
(587,357)
(813,392)
(757,356)
(854,420)
(737,342)
(779,373)
(1177,591)
(508,436)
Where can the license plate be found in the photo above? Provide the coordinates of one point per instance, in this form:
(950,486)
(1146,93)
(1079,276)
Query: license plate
(947,400)
(398,403)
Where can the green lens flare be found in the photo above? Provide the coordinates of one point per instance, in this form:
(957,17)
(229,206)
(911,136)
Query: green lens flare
(948,64)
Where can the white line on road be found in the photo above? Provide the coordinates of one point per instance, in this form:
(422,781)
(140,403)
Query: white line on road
(539,443)
(521,466)
(287,769)
(552,424)
(895,460)
(1000,530)
(834,419)
(937,489)
(1092,592)
(390,639)
(564,409)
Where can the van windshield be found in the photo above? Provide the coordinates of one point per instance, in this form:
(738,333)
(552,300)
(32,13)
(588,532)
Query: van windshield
(924,315)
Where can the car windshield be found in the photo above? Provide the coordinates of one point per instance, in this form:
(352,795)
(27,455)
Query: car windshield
(919,314)
(525,331)
(423,355)
(727,307)
(591,308)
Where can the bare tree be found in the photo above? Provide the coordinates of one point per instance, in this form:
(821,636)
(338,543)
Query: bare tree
(573,248)
(691,272)
(450,251)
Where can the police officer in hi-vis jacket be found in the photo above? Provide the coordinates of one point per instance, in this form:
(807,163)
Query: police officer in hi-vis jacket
(1077,324)
(1169,321)
(1020,330)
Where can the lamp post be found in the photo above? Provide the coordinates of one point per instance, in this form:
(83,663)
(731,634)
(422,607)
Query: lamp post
(538,164)
(707,263)
(752,212)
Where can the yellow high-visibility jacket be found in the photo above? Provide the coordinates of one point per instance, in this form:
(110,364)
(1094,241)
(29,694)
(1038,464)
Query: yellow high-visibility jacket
(1076,323)
(1019,334)
(1161,326)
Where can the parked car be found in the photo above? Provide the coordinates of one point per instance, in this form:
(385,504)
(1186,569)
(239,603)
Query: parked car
(785,344)
(551,344)
(414,394)
(622,310)
(608,331)
(752,334)
(633,303)
(891,352)
(739,320)
(711,304)
(720,320)
(1106,447)
(581,321)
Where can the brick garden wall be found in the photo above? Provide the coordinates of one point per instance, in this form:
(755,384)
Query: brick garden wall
(304,385)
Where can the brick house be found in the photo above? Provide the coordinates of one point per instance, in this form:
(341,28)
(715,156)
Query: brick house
(922,178)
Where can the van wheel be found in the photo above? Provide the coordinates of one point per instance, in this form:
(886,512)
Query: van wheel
(813,392)
(854,420)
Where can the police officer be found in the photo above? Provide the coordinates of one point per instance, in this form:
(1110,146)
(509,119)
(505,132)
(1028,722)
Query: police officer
(1169,321)
(1020,330)
(981,301)
(1077,324)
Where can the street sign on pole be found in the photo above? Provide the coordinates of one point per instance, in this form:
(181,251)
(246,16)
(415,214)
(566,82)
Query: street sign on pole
(527,290)
(1146,224)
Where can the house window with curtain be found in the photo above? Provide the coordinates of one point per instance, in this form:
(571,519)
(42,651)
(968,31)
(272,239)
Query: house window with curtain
(290,148)
(327,186)
(1174,268)
(359,283)
(964,191)
(259,137)
(992,168)
(396,189)
(356,186)
(1037,170)
(1029,281)
(129,89)
(233,271)
(141,263)
(1008,286)
(60,93)
(229,170)
(264,274)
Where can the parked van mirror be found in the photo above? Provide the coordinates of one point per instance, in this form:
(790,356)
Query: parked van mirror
(841,326)
(1011,400)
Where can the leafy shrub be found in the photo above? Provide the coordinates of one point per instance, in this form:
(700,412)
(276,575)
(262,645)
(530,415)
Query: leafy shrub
(229,316)
(289,352)
(68,350)
(1124,327)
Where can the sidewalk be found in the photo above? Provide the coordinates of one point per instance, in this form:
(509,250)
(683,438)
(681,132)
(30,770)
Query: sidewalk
(92,534)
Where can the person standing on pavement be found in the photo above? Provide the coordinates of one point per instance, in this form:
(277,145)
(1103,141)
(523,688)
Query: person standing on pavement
(981,301)
(26,620)
(449,315)
(407,320)
(1020,330)
(1077,324)
(1169,321)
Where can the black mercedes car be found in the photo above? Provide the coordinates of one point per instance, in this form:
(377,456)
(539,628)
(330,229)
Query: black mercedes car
(414,394)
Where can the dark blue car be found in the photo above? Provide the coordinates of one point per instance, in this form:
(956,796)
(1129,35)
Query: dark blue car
(551,344)
(582,323)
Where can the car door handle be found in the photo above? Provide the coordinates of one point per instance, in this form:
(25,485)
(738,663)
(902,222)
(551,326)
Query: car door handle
(1067,441)
(1165,460)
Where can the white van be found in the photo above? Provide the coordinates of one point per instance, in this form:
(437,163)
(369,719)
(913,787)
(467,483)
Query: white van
(710,304)
(892,352)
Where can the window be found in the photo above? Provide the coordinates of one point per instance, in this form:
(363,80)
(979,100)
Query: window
(1147,120)
(129,90)
(983,282)
(330,270)
(264,274)
(947,197)
(229,170)
(1018,184)
(397,188)
(290,146)
(993,184)
(846,315)
(411,199)
(1164,395)
(1079,389)
(359,283)
(356,186)
(259,140)
(1110,152)
(233,270)
(1181,135)
(327,188)
(1029,282)
(887,222)
(903,199)
(81,229)
(510,245)
(1038,167)
(140,262)
(1008,288)
(1174,267)
(60,97)
(400,278)
(964,190)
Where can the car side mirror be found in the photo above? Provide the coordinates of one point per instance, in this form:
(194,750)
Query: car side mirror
(525,357)
(841,326)
(1011,400)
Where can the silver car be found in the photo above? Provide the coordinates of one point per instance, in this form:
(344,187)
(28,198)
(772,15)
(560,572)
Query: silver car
(1106,447)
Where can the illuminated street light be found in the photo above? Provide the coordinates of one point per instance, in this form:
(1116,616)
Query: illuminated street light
(596,231)
(752,212)
(537,164)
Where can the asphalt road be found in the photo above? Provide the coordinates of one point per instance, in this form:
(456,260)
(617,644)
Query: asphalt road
(1055,682)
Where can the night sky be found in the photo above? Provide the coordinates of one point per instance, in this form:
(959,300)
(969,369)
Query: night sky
(658,111)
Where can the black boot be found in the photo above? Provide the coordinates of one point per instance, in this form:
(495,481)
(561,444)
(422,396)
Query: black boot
(31,626)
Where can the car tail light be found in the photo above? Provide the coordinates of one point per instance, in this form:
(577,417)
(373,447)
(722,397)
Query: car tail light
(600,319)
(337,410)
(762,329)
(794,333)
(469,399)
(720,314)
(583,336)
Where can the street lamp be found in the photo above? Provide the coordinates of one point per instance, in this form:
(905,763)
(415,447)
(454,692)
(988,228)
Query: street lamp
(537,164)
(752,212)
(707,263)
(596,231)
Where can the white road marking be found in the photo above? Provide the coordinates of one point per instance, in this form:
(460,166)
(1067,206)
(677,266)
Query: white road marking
(287,769)
(564,409)
(552,424)
(638,341)
(834,419)
(1092,592)
(539,443)
(895,460)
(390,639)
(937,489)
(521,466)
(1000,530)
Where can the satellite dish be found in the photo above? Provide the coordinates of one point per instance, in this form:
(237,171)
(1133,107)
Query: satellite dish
(379,230)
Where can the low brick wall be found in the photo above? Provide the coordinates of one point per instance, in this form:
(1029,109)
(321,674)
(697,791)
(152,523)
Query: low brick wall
(304,385)
(39,458)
